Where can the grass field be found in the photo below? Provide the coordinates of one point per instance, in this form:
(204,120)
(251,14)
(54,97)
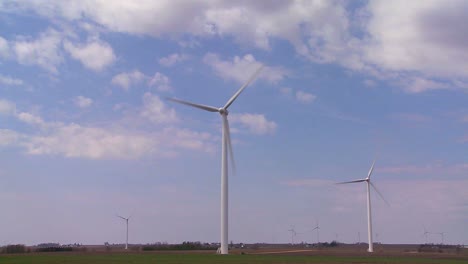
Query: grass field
(135,258)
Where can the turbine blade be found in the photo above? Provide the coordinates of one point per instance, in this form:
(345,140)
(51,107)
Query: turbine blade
(243,87)
(380,194)
(346,182)
(121,217)
(203,107)
(371,170)
(229,144)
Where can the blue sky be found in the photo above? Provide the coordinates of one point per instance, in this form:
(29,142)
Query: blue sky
(85,132)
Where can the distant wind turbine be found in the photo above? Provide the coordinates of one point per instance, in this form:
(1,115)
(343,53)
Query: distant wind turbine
(225,147)
(293,234)
(425,234)
(317,228)
(126,220)
(369,216)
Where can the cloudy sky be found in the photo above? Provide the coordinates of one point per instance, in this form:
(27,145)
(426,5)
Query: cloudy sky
(86,132)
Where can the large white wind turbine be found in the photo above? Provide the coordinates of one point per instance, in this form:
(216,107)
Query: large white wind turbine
(226,146)
(369,216)
(126,220)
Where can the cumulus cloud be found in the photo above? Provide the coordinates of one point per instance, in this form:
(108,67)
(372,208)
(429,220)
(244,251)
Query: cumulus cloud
(73,140)
(428,37)
(390,40)
(155,110)
(82,102)
(160,81)
(78,141)
(95,55)
(119,141)
(43,51)
(172,59)
(7,80)
(254,123)
(29,118)
(240,69)
(128,79)
(419,84)
(305,97)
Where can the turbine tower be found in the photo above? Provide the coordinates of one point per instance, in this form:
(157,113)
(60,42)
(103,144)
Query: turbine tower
(126,220)
(369,215)
(226,148)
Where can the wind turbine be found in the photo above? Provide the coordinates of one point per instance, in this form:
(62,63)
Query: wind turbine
(425,233)
(369,216)
(225,147)
(317,228)
(293,234)
(126,220)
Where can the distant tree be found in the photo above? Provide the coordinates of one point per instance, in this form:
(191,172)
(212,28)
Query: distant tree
(13,249)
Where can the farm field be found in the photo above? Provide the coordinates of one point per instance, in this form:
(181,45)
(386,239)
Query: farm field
(278,257)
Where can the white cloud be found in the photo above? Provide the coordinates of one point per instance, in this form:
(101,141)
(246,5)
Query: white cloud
(187,139)
(127,79)
(119,141)
(7,80)
(428,37)
(161,82)
(4,48)
(7,107)
(418,85)
(94,55)
(254,123)
(73,140)
(305,97)
(241,68)
(390,40)
(82,101)
(155,110)
(43,51)
(29,118)
(172,59)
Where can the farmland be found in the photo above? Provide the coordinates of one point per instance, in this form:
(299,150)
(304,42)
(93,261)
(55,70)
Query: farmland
(252,256)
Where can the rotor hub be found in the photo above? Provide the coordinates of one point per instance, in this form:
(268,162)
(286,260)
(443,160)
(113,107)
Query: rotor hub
(223,111)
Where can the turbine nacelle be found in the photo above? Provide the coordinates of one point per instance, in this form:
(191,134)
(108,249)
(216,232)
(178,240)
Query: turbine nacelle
(223,111)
